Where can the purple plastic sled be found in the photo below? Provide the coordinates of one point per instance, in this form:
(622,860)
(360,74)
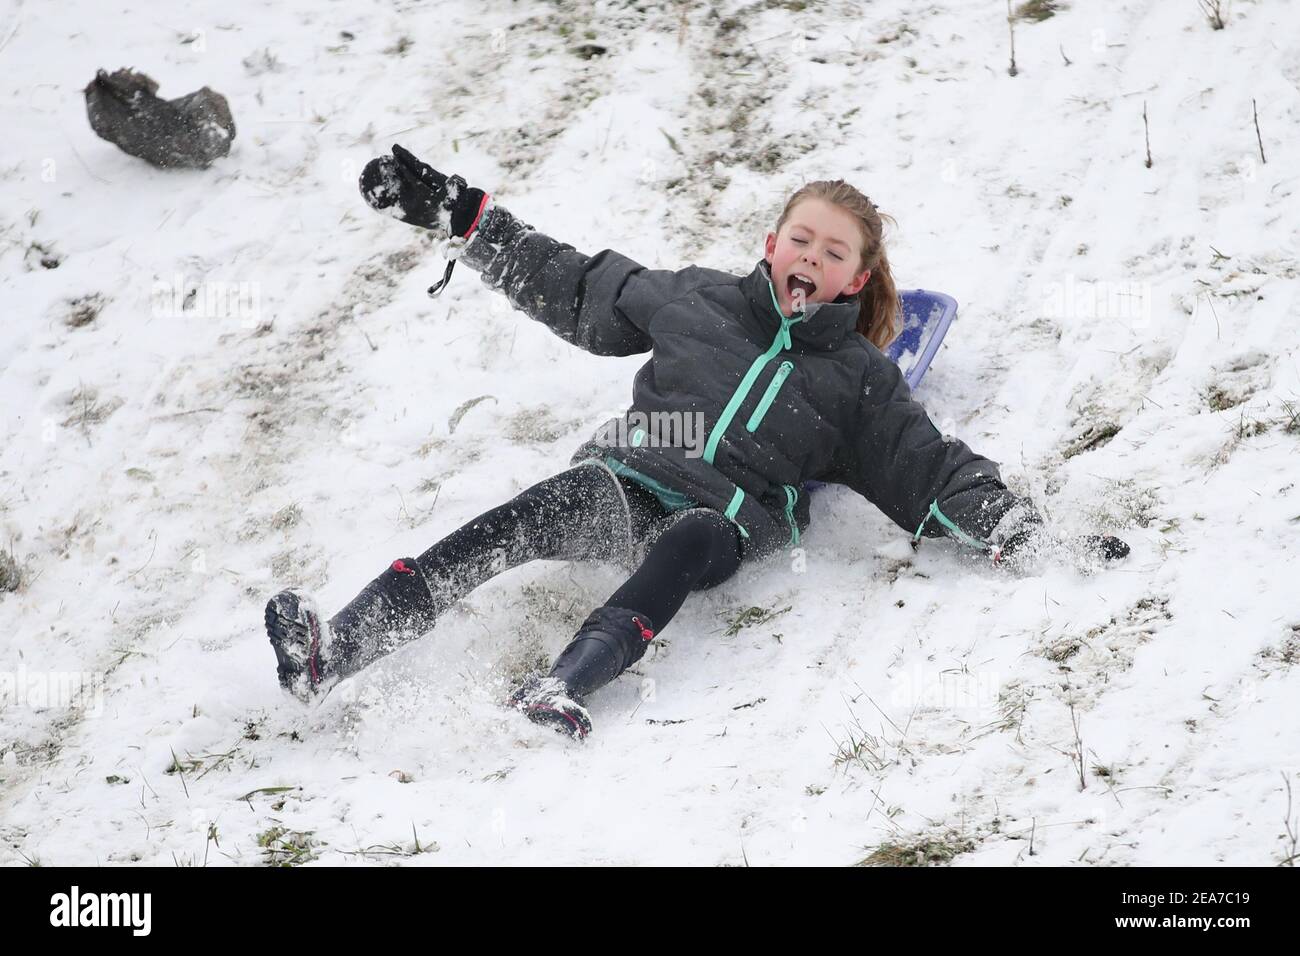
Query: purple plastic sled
(926,317)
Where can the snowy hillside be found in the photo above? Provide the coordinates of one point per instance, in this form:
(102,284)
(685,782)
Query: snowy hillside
(218,383)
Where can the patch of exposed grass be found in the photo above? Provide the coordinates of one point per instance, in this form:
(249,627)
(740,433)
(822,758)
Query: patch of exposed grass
(1219,399)
(88,410)
(1013,702)
(539,424)
(400,47)
(1214,13)
(1291,420)
(188,765)
(1062,649)
(1094,436)
(1250,427)
(11,573)
(751,617)
(284,847)
(286,517)
(397,849)
(464,407)
(1038,10)
(1286,653)
(863,749)
(1122,506)
(934,850)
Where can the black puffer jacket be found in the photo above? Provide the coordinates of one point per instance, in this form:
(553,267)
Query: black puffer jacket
(783,400)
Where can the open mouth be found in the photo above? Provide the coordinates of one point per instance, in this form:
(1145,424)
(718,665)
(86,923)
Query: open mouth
(796,283)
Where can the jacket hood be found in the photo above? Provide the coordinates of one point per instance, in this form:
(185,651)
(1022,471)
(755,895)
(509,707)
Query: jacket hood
(825,324)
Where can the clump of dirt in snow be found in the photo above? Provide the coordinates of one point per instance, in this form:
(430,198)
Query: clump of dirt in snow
(1094,435)
(11,574)
(1282,655)
(83,310)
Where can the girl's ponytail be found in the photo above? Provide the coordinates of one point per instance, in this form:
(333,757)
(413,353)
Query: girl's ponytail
(880,313)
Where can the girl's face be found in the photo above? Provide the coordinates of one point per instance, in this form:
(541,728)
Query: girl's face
(821,244)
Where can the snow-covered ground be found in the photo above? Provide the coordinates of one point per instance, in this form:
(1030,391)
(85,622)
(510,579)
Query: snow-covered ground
(165,467)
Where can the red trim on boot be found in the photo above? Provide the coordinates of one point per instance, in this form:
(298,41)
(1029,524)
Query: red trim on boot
(400,567)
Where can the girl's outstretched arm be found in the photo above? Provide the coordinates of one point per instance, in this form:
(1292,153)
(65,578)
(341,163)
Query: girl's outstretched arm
(603,303)
(928,485)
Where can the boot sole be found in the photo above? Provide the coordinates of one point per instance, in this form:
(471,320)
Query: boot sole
(294,632)
(542,709)
(558,720)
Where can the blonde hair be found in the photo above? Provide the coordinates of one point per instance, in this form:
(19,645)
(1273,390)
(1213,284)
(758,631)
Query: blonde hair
(879,311)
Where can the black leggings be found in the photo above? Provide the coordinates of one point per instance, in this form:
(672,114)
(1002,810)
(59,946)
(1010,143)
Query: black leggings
(584,513)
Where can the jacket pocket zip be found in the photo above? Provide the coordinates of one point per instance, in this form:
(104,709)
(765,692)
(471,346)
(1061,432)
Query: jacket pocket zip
(769,396)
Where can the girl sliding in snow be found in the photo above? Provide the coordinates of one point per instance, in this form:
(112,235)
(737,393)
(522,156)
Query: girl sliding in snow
(785,368)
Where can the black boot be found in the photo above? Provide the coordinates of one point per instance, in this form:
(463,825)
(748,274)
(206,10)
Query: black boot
(610,641)
(392,609)
(311,654)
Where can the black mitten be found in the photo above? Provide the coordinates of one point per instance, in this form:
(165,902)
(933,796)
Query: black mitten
(1021,537)
(1105,546)
(418,194)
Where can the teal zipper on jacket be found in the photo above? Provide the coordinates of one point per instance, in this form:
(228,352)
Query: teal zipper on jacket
(738,397)
(769,396)
(782,341)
